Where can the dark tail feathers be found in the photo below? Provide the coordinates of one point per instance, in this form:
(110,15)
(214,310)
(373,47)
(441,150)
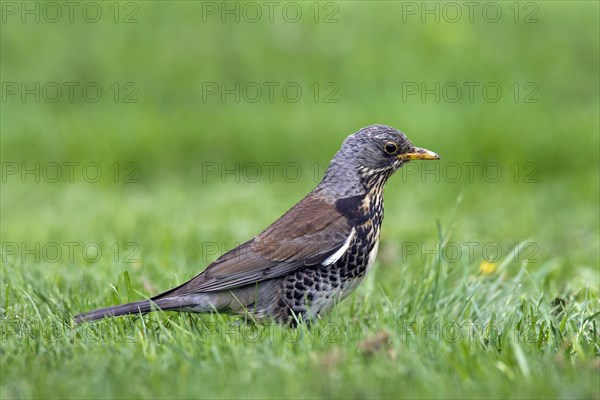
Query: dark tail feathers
(138,307)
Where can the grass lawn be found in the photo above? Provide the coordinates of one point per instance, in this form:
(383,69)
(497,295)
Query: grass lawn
(487,283)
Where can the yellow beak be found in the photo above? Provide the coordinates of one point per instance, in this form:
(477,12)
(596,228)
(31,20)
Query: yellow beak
(419,154)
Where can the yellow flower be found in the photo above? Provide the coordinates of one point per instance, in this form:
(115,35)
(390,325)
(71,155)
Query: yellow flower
(487,268)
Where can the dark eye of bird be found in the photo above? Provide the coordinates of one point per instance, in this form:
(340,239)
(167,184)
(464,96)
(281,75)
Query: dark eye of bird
(390,148)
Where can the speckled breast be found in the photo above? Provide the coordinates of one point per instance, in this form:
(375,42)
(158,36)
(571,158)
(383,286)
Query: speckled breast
(313,291)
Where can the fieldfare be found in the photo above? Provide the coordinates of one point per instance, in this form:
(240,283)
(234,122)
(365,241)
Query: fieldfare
(313,256)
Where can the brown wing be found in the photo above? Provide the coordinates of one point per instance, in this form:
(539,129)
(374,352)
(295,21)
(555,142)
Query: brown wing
(306,235)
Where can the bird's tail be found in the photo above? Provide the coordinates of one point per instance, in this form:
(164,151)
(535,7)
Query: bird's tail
(137,307)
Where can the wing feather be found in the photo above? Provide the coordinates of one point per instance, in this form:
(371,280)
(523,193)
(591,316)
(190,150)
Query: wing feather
(307,235)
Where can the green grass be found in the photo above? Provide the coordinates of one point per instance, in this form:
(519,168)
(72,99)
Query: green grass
(427,323)
(413,329)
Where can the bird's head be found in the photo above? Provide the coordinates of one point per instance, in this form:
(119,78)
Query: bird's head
(373,154)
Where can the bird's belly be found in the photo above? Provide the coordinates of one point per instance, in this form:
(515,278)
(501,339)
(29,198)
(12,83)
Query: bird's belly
(353,282)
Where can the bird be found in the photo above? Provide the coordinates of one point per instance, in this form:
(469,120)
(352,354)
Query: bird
(309,259)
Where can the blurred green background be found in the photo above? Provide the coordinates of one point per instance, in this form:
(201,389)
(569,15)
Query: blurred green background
(371,52)
(355,63)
